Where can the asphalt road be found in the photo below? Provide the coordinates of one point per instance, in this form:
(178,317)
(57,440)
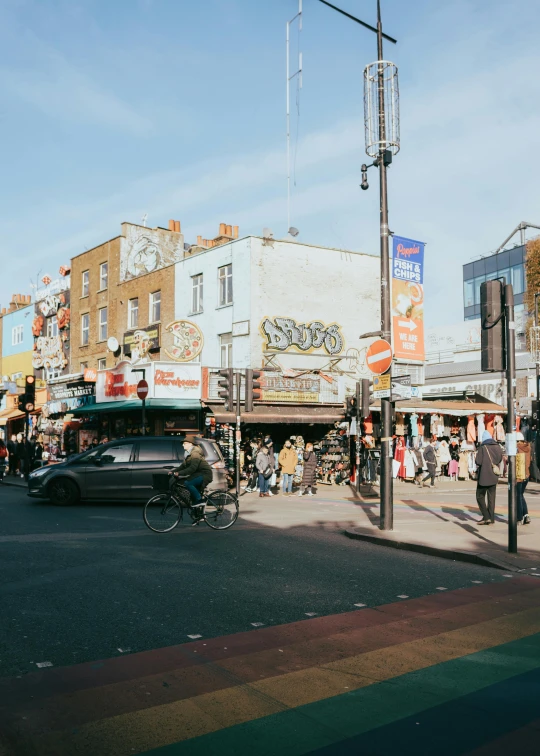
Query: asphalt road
(91,582)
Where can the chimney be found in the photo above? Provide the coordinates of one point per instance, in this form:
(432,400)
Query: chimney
(171,225)
(222,229)
(229,231)
(235,232)
(177,226)
(199,241)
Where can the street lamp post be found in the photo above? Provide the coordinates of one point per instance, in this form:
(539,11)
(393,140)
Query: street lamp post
(381,116)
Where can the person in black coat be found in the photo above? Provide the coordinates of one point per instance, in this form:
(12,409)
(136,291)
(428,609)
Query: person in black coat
(431,464)
(12,451)
(310,471)
(21,454)
(489,454)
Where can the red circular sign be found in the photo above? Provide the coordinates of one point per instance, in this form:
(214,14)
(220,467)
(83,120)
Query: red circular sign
(142,389)
(379,357)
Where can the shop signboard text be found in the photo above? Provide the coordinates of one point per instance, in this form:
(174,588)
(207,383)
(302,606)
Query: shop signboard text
(278,388)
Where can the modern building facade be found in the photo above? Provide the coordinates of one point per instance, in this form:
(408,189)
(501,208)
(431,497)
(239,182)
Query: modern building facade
(509,265)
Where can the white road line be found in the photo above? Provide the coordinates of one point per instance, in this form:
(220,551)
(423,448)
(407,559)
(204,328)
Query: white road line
(123,650)
(442,589)
(478,582)
(44,664)
(257,624)
(360,605)
(194,637)
(310,614)
(402,596)
(508,576)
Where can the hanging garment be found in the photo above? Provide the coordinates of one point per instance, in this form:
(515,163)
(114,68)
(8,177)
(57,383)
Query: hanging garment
(481,426)
(419,460)
(410,464)
(498,429)
(434,424)
(463,471)
(462,432)
(420,425)
(414,425)
(453,468)
(489,424)
(400,424)
(518,422)
(525,428)
(368,425)
(471,430)
(447,427)
(396,464)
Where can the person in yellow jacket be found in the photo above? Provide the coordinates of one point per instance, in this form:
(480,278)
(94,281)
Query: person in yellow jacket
(287,460)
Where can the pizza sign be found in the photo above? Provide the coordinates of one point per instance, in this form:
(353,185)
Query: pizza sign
(187,340)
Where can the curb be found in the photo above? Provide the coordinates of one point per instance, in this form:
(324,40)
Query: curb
(459,556)
(23,484)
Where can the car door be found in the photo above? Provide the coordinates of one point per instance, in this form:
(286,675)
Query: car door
(153,455)
(108,477)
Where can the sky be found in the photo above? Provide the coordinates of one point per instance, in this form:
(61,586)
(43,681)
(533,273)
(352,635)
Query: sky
(176,109)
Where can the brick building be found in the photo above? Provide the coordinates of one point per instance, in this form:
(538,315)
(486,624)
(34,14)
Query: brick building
(124,288)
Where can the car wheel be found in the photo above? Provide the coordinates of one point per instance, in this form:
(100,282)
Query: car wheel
(63,492)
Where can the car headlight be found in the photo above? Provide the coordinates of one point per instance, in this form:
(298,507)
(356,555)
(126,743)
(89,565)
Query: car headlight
(38,473)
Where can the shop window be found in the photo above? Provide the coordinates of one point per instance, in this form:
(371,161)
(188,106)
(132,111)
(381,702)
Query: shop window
(103,276)
(114,455)
(197,289)
(225,346)
(156,451)
(17,333)
(133,313)
(103,324)
(85,329)
(102,363)
(225,285)
(52,326)
(155,307)
(85,283)
(468,293)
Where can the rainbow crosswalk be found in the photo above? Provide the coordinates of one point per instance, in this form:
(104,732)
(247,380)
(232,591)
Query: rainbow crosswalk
(453,673)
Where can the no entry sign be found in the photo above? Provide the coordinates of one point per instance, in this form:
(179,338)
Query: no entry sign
(379,357)
(142,389)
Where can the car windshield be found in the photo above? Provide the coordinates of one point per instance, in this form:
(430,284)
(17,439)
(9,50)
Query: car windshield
(86,455)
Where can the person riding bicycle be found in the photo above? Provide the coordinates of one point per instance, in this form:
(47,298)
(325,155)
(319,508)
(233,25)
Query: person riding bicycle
(195,469)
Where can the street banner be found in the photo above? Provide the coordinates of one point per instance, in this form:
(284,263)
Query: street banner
(408,299)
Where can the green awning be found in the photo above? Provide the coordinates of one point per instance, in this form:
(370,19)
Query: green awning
(136,404)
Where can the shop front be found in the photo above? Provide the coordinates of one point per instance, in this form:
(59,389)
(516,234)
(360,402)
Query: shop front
(58,432)
(173,406)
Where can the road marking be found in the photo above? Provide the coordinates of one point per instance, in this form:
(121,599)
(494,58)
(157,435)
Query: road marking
(360,605)
(257,624)
(310,614)
(194,637)
(479,582)
(123,650)
(442,589)
(508,576)
(44,664)
(403,596)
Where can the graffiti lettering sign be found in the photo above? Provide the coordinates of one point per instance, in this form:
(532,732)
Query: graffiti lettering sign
(284,333)
(49,353)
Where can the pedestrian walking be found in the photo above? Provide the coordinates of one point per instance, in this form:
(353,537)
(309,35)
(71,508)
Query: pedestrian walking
(488,459)
(21,455)
(310,468)
(4,457)
(288,459)
(264,469)
(12,453)
(523,471)
(430,464)
(271,454)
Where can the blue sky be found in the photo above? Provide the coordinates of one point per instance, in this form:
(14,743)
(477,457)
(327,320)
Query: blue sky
(177,109)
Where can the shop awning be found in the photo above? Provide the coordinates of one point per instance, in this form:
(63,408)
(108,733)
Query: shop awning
(441,407)
(281,414)
(136,405)
(12,414)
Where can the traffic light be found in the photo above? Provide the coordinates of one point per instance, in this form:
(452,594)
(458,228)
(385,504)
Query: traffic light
(350,406)
(226,387)
(21,402)
(365,397)
(30,393)
(253,388)
(492,322)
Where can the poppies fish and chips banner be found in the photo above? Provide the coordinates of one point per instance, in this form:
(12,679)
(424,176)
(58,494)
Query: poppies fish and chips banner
(408,299)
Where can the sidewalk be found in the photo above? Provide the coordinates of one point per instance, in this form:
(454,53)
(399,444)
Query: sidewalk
(443,522)
(10,480)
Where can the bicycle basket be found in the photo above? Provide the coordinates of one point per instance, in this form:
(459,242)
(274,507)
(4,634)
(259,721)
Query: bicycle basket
(160,482)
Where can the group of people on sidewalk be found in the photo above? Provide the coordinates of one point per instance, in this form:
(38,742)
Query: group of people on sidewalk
(265,463)
(19,456)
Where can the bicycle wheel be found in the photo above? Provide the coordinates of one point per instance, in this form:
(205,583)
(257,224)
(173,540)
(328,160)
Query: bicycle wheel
(221,510)
(162,513)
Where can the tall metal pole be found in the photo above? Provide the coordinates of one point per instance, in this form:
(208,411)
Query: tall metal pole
(386,506)
(358,432)
(510,328)
(536,448)
(288,132)
(238,432)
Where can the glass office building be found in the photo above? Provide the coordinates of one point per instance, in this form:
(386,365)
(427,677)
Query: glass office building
(509,264)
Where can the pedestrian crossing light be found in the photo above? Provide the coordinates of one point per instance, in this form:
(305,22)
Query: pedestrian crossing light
(253,388)
(30,393)
(225,383)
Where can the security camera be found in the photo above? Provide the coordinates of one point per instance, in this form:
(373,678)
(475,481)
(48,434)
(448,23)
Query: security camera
(364,185)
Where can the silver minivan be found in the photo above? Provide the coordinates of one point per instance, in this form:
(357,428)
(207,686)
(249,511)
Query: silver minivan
(119,470)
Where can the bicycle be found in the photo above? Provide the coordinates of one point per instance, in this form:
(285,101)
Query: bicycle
(164,511)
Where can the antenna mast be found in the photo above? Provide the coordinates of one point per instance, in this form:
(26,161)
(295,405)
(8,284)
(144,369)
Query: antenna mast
(289,79)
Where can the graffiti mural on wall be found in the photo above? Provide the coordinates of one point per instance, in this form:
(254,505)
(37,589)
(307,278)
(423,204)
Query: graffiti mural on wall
(284,333)
(145,249)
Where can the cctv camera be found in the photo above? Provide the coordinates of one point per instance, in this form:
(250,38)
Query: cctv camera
(364,185)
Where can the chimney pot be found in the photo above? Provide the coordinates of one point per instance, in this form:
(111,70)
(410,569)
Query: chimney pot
(199,241)
(229,230)
(222,229)
(171,225)
(235,232)
(177,226)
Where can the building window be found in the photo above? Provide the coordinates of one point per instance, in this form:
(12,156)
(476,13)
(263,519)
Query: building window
(468,293)
(103,276)
(103,324)
(197,298)
(54,373)
(85,329)
(16,376)
(52,326)
(17,335)
(133,313)
(102,363)
(518,279)
(155,307)
(225,346)
(85,283)
(225,285)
